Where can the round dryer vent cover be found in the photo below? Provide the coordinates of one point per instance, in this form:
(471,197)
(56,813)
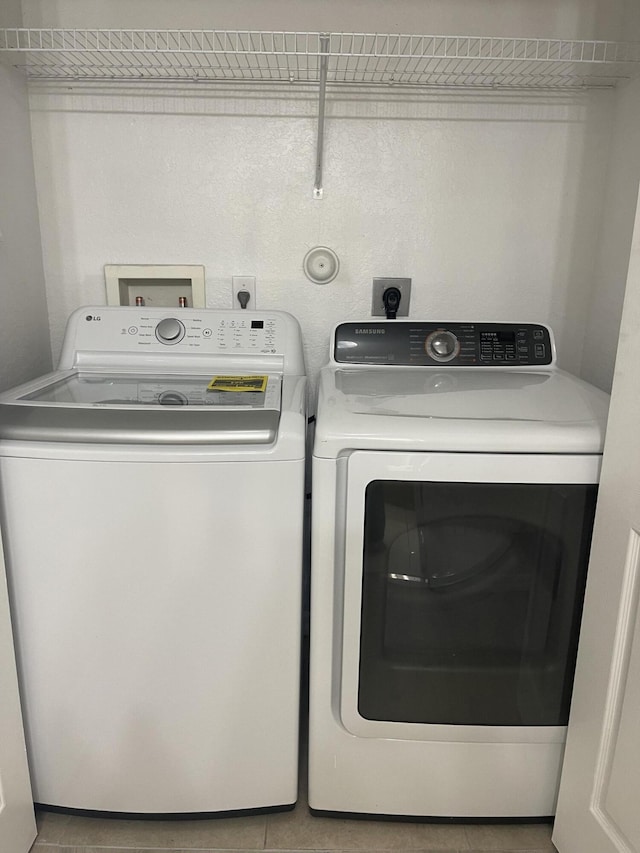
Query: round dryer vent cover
(321,265)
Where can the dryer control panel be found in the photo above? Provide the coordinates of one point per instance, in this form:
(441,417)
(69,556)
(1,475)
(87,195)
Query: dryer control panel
(419,344)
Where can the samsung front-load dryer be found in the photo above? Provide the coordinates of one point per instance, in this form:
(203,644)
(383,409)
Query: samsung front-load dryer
(152,502)
(455,472)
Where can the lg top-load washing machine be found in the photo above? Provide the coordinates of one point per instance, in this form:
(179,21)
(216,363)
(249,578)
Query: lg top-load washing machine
(455,473)
(152,493)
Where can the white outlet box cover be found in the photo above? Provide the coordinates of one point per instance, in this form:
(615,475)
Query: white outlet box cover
(185,279)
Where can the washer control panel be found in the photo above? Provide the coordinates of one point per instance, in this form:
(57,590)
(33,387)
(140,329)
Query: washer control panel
(194,340)
(454,344)
(206,331)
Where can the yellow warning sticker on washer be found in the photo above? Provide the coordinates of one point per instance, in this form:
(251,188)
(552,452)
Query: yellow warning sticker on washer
(238,383)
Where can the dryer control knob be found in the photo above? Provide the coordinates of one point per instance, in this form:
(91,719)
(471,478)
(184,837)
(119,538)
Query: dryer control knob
(442,345)
(170,331)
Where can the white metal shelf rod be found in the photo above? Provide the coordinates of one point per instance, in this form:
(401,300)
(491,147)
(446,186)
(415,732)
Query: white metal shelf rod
(317,187)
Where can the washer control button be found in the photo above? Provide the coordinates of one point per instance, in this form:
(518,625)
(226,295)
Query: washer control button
(442,345)
(170,331)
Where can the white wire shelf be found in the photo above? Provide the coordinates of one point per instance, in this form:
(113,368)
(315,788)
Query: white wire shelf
(348,58)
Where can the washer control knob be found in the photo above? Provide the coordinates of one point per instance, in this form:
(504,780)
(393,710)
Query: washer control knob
(442,345)
(169,331)
(172,398)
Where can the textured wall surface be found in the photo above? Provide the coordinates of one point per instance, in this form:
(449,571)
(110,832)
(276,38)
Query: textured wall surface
(491,204)
(581,19)
(24,329)
(612,260)
(495,204)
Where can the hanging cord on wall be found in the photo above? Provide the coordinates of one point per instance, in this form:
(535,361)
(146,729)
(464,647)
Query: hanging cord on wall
(391,300)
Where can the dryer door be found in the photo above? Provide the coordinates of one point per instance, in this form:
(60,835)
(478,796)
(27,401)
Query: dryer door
(464,579)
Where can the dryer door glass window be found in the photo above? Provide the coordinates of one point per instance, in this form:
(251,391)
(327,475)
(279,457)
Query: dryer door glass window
(471,601)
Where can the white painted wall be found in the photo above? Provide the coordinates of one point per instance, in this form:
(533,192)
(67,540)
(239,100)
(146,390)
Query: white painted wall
(581,19)
(614,244)
(492,204)
(619,206)
(24,330)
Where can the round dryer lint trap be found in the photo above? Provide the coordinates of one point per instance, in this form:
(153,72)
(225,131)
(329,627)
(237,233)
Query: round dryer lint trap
(321,265)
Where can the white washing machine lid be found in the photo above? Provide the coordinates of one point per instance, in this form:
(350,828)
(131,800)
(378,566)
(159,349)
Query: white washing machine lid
(458,410)
(144,408)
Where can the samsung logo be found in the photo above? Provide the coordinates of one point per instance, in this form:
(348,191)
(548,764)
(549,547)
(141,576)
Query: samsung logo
(370,331)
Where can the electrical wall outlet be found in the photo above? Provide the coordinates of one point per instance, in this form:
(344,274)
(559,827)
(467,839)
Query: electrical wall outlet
(379,287)
(243,283)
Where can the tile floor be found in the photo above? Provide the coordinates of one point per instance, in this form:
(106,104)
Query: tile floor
(295,831)
(291,831)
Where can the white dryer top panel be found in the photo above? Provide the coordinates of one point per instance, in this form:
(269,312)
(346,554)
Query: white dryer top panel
(472,410)
(483,387)
(458,410)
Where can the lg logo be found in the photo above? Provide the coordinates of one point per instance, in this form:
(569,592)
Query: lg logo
(90,317)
